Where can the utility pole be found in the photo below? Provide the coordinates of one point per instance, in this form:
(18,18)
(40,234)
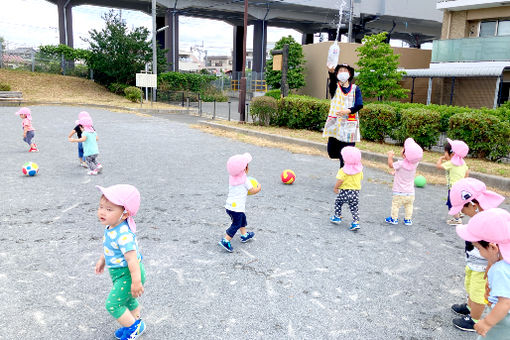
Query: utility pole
(154,55)
(242,89)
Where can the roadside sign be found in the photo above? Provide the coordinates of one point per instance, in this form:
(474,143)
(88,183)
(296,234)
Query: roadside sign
(146,80)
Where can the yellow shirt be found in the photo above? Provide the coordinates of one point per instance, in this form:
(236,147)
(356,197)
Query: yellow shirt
(454,173)
(350,182)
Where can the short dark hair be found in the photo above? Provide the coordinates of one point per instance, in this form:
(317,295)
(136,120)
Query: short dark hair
(468,203)
(448,148)
(484,244)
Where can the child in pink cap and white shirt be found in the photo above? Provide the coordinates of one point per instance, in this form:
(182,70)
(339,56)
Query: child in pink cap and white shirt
(239,186)
(89,140)
(403,182)
(348,185)
(121,255)
(471,196)
(28,130)
(453,163)
(489,231)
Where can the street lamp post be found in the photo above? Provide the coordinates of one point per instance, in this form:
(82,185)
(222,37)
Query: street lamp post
(242,89)
(154,55)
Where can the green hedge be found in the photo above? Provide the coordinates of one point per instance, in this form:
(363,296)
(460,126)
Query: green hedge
(378,121)
(5,87)
(297,112)
(486,135)
(420,124)
(177,81)
(275,93)
(262,109)
(133,93)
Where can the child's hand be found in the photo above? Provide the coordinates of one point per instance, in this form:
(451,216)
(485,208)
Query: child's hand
(336,190)
(70,139)
(482,327)
(136,289)
(391,153)
(392,172)
(100,265)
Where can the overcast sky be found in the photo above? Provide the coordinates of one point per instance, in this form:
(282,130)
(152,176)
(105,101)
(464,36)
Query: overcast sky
(31,23)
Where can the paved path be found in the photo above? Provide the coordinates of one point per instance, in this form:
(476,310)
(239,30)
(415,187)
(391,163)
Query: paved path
(300,278)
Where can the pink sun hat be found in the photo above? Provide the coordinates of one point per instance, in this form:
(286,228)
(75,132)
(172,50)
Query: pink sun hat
(124,195)
(81,115)
(413,153)
(87,123)
(235,167)
(25,111)
(492,225)
(468,189)
(460,150)
(352,160)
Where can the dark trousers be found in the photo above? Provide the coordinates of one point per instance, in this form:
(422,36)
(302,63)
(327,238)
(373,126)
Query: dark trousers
(238,221)
(335,148)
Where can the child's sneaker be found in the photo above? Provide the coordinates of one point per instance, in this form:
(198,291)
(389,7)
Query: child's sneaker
(247,237)
(99,168)
(335,219)
(83,164)
(120,332)
(92,172)
(461,309)
(466,323)
(134,331)
(226,244)
(354,226)
(390,220)
(408,221)
(33,150)
(454,221)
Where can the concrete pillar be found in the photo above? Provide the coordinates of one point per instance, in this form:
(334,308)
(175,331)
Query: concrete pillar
(237,54)
(65,22)
(172,40)
(307,39)
(259,47)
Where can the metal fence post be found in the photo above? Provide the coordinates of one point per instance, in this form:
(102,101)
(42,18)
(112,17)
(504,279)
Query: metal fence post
(214,109)
(32,55)
(187,105)
(199,105)
(246,118)
(229,102)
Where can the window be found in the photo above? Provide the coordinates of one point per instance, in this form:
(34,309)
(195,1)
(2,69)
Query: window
(488,28)
(504,27)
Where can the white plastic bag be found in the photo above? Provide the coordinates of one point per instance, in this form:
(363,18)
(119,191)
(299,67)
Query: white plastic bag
(333,53)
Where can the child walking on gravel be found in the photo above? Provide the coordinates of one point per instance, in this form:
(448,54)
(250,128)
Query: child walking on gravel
(89,139)
(239,186)
(28,130)
(470,196)
(78,131)
(456,169)
(117,206)
(403,182)
(348,185)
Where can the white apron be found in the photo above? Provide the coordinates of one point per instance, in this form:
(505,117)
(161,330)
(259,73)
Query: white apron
(345,128)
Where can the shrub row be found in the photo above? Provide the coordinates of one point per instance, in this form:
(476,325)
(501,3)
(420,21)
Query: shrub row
(487,132)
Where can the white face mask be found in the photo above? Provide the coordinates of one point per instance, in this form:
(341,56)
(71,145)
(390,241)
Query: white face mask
(343,76)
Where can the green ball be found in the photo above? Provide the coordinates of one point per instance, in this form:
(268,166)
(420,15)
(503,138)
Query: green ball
(420,181)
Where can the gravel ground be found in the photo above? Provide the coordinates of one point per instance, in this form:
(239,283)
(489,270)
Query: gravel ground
(300,278)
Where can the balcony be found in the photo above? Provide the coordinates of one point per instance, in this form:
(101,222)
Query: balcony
(471,49)
(461,5)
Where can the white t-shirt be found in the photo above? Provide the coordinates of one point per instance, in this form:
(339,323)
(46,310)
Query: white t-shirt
(236,200)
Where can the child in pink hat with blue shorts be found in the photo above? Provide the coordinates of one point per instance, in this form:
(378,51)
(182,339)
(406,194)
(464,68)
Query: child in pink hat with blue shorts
(489,231)
(238,188)
(348,185)
(470,196)
(78,131)
(117,206)
(403,182)
(456,169)
(89,140)
(28,130)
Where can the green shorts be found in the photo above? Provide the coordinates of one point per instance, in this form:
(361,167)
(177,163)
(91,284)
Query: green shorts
(120,297)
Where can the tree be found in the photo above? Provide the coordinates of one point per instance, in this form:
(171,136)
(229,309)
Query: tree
(2,43)
(118,54)
(295,74)
(378,75)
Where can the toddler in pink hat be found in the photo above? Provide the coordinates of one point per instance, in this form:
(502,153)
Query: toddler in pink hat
(489,231)
(78,131)
(471,196)
(121,255)
(348,185)
(239,186)
(453,163)
(403,182)
(28,130)
(89,140)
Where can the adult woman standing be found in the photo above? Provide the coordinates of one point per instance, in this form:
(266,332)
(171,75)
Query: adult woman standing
(342,125)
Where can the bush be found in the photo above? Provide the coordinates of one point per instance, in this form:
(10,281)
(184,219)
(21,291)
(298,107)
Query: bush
(117,88)
(299,112)
(262,109)
(276,94)
(177,81)
(211,94)
(487,135)
(5,87)
(421,124)
(378,121)
(133,93)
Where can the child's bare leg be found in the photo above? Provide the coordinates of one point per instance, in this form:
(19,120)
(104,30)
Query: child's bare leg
(243,230)
(136,312)
(228,238)
(476,309)
(126,319)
